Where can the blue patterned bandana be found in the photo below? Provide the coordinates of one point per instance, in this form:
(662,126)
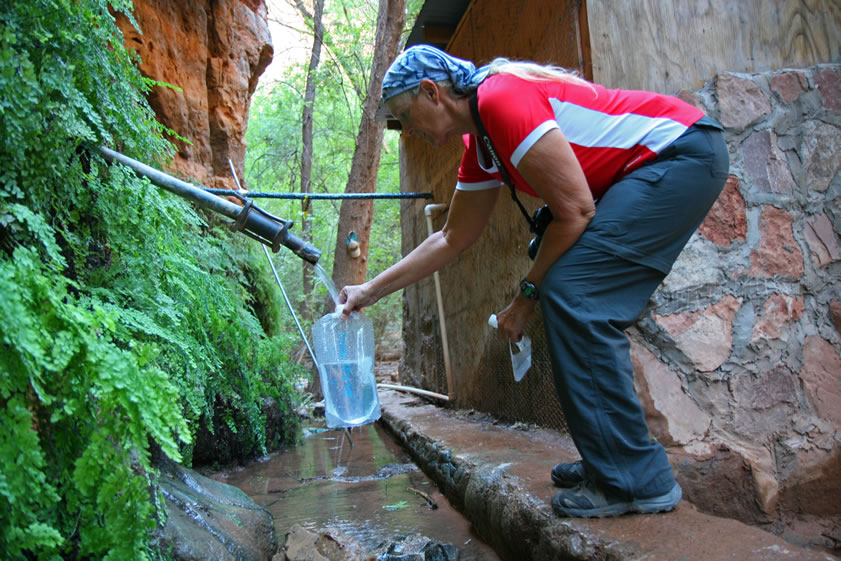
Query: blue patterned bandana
(422,61)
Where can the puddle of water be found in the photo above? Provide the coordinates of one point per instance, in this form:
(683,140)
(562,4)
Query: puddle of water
(364,491)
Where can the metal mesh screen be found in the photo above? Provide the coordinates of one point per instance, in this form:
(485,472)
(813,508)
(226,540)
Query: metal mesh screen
(533,399)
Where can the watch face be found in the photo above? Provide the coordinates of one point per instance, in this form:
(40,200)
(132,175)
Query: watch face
(528,289)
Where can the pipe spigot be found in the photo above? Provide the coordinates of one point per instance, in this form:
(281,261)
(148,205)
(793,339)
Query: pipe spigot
(272,231)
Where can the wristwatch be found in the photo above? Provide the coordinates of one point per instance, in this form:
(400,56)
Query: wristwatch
(528,289)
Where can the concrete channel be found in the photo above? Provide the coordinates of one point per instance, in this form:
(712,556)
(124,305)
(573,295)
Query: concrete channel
(498,477)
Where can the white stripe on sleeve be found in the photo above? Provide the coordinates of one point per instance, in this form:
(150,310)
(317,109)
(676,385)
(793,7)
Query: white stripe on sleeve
(480,186)
(529,141)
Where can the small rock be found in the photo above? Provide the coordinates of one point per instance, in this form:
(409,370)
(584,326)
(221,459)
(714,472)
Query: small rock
(437,551)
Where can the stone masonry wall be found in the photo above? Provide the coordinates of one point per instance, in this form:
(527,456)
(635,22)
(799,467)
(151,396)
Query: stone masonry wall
(738,358)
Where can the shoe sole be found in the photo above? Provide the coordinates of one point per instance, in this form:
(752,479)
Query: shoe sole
(663,503)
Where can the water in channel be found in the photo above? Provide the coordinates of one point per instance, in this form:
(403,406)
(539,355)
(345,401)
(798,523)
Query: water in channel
(370,491)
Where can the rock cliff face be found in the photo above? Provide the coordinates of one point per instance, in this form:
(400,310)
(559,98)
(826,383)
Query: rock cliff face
(212,52)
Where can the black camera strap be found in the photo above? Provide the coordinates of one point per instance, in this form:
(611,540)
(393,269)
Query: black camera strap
(503,171)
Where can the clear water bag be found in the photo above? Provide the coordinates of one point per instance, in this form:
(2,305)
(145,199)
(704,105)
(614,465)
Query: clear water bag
(344,349)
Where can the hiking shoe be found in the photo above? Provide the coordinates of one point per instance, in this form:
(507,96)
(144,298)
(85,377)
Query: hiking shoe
(568,474)
(588,500)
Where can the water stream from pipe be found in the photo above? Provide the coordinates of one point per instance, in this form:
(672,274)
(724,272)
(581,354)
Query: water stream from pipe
(327,282)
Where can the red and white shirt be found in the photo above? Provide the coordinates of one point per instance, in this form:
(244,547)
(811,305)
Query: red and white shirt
(612,132)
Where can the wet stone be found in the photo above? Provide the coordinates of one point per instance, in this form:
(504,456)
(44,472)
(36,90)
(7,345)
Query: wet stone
(416,547)
(436,551)
(400,557)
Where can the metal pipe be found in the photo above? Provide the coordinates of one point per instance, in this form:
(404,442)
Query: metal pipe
(251,220)
(417,391)
(321,196)
(175,185)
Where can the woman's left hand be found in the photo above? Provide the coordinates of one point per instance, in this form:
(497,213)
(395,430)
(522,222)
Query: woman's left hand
(354,298)
(513,319)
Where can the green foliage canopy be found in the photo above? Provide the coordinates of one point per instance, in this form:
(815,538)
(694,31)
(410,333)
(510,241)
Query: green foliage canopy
(273,158)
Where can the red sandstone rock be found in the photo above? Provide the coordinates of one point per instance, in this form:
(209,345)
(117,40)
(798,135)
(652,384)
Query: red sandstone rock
(821,375)
(691,98)
(704,337)
(822,240)
(828,81)
(778,252)
(814,484)
(213,53)
(672,416)
(769,389)
(821,154)
(789,85)
(777,314)
(741,101)
(719,483)
(766,164)
(766,399)
(835,314)
(726,221)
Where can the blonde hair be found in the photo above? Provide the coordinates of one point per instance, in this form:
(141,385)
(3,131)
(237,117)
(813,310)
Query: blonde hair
(535,72)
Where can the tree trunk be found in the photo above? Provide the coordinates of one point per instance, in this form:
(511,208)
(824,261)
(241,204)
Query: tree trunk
(356,214)
(306,153)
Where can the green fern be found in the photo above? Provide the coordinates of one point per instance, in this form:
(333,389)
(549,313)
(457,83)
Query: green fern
(126,318)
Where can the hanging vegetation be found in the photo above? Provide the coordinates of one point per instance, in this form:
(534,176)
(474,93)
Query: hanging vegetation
(127,320)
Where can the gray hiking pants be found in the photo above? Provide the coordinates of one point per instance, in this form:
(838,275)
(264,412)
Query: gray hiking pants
(602,284)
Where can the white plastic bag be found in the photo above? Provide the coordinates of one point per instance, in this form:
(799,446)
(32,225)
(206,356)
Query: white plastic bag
(520,360)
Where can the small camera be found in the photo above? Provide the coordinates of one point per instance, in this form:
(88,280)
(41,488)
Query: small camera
(539,221)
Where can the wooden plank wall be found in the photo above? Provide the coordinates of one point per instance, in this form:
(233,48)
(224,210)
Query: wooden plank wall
(669,45)
(536,30)
(485,278)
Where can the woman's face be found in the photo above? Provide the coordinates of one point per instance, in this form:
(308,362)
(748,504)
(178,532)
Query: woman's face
(422,114)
